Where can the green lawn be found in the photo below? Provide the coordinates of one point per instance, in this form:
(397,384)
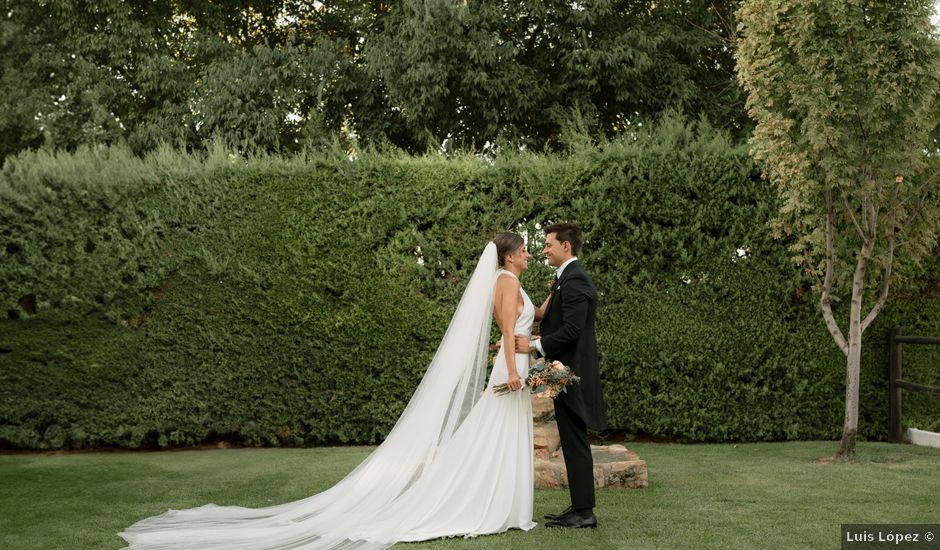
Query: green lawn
(764,495)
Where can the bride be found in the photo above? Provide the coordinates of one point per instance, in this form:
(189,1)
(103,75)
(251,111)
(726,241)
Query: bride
(458,462)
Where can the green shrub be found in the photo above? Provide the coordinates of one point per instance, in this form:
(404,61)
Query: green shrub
(179,299)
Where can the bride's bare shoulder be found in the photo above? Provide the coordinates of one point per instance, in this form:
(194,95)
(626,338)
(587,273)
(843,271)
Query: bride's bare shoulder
(507,280)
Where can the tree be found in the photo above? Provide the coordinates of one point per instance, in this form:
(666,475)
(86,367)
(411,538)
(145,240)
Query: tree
(69,70)
(844,95)
(270,74)
(474,71)
(147,73)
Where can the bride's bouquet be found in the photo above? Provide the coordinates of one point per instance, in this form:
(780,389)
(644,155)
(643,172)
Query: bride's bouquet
(545,379)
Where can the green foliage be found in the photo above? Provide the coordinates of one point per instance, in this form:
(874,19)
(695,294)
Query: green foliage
(845,98)
(916,312)
(708,336)
(104,73)
(260,98)
(279,75)
(182,298)
(474,71)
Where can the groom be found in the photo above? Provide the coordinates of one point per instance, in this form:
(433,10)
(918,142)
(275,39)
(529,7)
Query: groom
(567,329)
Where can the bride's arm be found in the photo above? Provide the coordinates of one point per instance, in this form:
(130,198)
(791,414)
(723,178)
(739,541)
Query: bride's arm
(540,311)
(506,307)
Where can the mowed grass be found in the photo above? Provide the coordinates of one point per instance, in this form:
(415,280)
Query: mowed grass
(762,495)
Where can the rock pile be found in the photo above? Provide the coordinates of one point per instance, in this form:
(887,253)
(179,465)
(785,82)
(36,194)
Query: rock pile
(614,465)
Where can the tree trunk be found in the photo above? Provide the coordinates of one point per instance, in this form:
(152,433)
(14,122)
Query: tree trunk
(854,356)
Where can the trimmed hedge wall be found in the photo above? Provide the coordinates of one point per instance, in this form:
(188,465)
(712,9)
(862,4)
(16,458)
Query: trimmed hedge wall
(916,311)
(179,299)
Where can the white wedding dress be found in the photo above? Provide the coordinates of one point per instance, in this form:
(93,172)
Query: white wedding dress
(457,463)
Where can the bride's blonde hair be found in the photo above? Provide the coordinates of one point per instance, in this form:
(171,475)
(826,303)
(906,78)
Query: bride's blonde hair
(506,243)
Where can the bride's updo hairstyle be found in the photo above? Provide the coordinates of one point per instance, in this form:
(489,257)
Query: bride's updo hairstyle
(506,243)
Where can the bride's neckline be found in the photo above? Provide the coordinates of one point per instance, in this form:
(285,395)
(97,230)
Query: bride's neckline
(506,271)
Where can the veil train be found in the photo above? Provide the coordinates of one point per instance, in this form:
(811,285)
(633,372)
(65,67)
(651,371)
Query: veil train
(330,520)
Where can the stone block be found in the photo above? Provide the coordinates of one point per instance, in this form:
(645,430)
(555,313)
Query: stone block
(543,408)
(614,466)
(550,474)
(545,436)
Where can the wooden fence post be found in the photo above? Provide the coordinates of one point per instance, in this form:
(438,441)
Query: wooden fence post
(894,391)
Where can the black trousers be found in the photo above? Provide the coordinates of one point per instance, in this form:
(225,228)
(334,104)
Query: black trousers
(577,452)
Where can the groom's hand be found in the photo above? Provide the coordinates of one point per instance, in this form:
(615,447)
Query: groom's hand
(522,344)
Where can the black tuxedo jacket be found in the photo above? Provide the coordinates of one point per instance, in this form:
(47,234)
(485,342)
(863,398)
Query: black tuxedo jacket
(568,336)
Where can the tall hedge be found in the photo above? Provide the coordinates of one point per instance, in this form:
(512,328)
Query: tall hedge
(915,311)
(177,299)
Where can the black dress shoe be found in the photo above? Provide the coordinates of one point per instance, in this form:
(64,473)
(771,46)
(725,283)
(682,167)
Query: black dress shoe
(574,521)
(556,517)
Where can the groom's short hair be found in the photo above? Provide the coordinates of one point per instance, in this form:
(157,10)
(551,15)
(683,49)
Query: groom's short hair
(567,232)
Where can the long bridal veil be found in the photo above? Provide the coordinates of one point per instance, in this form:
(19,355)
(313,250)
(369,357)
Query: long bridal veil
(331,519)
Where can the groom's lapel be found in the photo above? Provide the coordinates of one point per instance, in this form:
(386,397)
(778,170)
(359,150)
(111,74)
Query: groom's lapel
(572,267)
(569,269)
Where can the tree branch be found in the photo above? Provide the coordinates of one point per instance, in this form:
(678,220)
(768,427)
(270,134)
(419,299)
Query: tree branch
(932,177)
(884,290)
(825,302)
(901,228)
(848,209)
